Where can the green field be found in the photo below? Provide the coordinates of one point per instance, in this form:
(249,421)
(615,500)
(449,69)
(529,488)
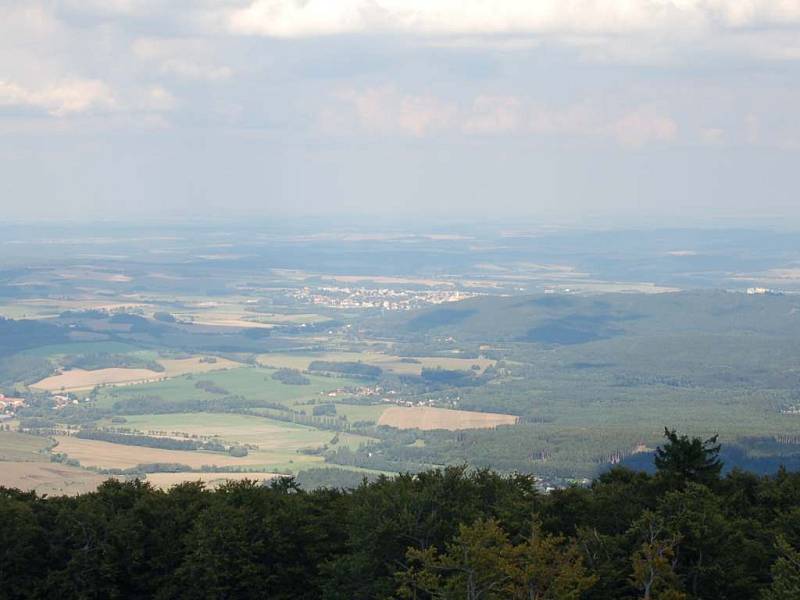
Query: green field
(252,383)
(22,447)
(81,348)
(244,429)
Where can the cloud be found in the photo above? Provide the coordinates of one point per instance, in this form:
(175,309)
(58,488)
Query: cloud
(493,115)
(293,18)
(184,58)
(643,126)
(384,110)
(60,99)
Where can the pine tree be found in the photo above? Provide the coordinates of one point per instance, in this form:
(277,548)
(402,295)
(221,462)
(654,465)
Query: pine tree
(684,459)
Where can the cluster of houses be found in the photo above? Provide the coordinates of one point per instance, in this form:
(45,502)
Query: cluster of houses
(10,405)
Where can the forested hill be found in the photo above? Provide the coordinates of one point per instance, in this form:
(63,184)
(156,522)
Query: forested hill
(564,319)
(684,532)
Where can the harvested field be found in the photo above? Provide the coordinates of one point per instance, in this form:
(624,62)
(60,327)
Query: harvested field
(221,321)
(80,379)
(48,478)
(427,418)
(94,453)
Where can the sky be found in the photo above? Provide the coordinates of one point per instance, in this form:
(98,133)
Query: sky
(564,111)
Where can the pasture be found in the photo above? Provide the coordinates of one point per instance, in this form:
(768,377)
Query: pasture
(427,418)
(267,434)
(388,362)
(253,383)
(56,350)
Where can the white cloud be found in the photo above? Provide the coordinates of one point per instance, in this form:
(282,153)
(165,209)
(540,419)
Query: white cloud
(60,99)
(384,110)
(494,115)
(186,69)
(292,18)
(188,59)
(158,99)
(643,126)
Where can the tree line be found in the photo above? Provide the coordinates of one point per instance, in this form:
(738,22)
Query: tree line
(684,532)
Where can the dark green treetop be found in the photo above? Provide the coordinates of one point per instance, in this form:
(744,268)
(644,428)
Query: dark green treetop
(689,459)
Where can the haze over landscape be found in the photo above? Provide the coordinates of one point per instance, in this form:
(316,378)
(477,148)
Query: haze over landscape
(370,299)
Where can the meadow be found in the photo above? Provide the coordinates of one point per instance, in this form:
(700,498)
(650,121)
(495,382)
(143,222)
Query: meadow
(267,434)
(398,365)
(252,383)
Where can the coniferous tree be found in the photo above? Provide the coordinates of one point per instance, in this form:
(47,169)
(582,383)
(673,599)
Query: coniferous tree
(685,459)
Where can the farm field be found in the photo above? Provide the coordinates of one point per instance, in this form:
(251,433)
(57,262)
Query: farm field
(46,308)
(48,478)
(387,362)
(427,418)
(239,314)
(196,364)
(80,379)
(267,434)
(105,347)
(361,412)
(252,383)
(105,455)
(22,447)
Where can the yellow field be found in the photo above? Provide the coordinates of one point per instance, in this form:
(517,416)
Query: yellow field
(427,418)
(79,379)
(387,362)
(235,313)
(48,478)
(230,321)
(167,480)
(94,453)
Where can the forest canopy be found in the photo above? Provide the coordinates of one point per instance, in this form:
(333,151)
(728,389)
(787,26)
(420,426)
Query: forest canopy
(683,532)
